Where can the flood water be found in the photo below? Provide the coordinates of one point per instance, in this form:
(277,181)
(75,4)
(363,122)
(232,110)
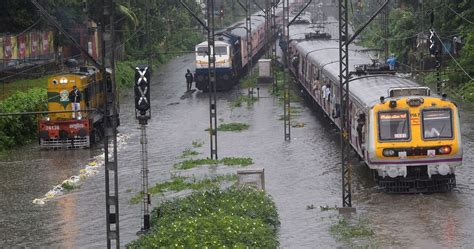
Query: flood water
(300,173)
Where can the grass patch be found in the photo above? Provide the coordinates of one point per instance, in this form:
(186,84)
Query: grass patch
(197,143)
(327,208)
(345,230)
(182,183)
(233,127)
(192,163)
(188,152)
(232,161)
(236,217)
(249,100)
(229,161)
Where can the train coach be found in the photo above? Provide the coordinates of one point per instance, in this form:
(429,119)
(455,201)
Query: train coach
(232,59)
(59,129)
(409,137)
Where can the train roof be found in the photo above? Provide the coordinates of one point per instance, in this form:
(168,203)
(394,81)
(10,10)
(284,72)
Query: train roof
(368,88)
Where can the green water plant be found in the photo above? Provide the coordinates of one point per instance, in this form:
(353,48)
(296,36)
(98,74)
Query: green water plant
(233,127)
(235,217)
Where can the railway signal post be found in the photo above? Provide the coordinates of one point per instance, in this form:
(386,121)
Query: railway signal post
(143,114)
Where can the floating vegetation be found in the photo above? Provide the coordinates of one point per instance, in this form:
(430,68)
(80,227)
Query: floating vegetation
(232,161)
(182,183)
(345,230)
(229,161)
(249,100)
(297,124)
(327,208)
(188,152)
(197,143)
(233,127)
(71,183)
(192,163)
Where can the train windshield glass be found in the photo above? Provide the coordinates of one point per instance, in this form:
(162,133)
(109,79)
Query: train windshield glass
(201,51)
(221,50)
(393,126)
(437,124)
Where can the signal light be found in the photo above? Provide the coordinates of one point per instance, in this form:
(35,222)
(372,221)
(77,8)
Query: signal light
(444,150)
(142,89)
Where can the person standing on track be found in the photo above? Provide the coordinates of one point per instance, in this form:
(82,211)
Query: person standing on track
(75,98)
(189,80)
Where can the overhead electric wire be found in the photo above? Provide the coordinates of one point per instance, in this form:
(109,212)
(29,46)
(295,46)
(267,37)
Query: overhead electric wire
(459,15)
(457,63)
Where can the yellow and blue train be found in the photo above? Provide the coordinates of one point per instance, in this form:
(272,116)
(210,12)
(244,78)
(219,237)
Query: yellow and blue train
(408,136)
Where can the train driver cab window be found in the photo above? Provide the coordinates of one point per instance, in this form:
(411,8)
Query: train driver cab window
(437,124)
(201,51)
(393,126)
(221,51)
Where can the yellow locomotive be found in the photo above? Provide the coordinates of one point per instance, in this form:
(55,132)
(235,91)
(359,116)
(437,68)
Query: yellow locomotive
(63,128)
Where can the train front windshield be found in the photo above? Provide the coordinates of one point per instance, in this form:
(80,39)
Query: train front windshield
(201,51)
(437,124)
(221,51)
(393,126)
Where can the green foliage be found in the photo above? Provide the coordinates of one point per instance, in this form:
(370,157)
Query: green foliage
(68,186)
(243,99)
(233,127)
(125,73)
(182,183)
(192,163)
(232,161)
(22,85)
(197,143)
(229,161)
(18,130)
(231,218)
(188,152)
(16,15)
(345,231)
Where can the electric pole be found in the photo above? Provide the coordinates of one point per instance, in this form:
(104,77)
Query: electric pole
(212,79)
(286,63)
(210,27)
(110,124)
(344,40)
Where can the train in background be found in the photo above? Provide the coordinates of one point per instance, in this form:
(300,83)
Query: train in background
(61,130)
(408,136)
(232,59)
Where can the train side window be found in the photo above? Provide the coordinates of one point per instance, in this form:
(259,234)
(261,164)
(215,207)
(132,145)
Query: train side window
(393,126)
(437,124)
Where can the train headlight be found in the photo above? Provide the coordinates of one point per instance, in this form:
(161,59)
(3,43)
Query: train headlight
(414,102)
(392,172)
(63,81)
(444,150)
(388,152)
(444,169)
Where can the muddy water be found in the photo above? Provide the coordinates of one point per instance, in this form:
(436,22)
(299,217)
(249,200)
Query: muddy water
(299,174)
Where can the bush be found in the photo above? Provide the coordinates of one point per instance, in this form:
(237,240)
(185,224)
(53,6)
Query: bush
(18,130)
(233,217)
